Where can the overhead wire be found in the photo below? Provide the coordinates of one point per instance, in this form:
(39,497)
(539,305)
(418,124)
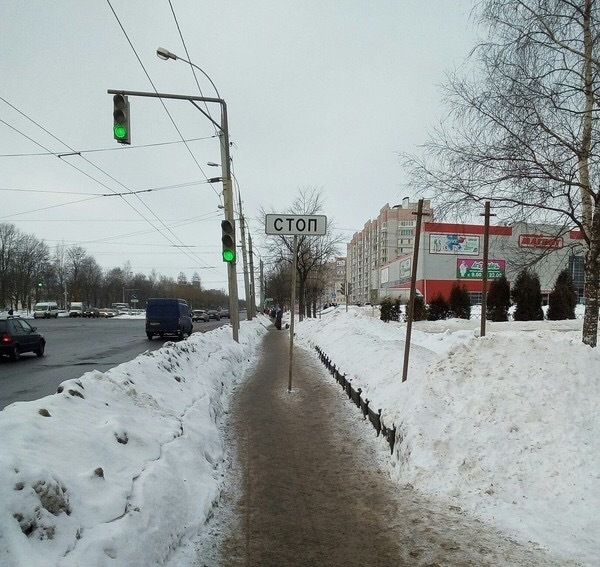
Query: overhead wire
(98,150)
(74,152)
(156,91)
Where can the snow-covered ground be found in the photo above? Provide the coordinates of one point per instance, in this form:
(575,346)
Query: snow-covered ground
(122,467)
(506,427)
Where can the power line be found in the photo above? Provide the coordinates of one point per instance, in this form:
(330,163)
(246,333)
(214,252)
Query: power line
(156,91)
(74,152)
(99,150)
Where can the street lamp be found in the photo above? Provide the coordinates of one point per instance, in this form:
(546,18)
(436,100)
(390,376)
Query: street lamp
(165,54)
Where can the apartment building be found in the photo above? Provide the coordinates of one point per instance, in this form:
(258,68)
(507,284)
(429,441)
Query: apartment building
(382,240)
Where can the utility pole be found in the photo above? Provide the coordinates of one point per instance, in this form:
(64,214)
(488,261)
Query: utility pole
(261,276)
(413,285)
(245,258)
(223,129)
(484,273)
(252,281)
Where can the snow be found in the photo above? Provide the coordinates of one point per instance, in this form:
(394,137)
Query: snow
(127,467)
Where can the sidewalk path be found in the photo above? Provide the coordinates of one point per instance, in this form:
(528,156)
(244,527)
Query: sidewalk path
(308,486)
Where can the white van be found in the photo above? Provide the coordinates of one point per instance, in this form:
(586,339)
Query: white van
(45,310)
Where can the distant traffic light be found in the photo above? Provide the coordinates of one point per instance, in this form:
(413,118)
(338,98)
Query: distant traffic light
(228,240)
(121,119)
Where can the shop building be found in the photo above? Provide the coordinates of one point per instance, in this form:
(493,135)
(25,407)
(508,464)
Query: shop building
(450,253)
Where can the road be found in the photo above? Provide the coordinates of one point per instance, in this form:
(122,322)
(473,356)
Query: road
(75,346)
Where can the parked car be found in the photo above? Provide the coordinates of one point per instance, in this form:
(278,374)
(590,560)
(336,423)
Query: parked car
(214,314)
(200,315)
(107,312)
(165,316)
(45,310)
(18,336)
(224,313)
(91,312)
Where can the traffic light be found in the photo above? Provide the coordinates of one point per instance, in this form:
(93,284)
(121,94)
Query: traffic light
(40,284)
(342,290)
(121,119)
(228,240)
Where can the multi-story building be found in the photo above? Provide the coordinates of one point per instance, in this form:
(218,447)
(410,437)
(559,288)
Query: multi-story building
(334,279)
(382,240)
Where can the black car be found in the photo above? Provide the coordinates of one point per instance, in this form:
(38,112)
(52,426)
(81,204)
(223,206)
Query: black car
(18,336)
(214,314)
(92,312)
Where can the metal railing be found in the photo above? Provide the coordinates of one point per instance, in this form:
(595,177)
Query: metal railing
(362,403)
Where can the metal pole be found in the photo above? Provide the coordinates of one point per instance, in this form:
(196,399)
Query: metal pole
(413,283)
(244,257)
(261,275)
(234,316)
(227,184)
(484,274)
(292,309)
(252,280)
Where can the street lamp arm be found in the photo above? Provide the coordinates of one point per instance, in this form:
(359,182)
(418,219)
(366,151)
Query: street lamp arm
(166,54)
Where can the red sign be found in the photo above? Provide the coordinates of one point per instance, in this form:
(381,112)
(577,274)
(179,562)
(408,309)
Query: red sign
(540,241)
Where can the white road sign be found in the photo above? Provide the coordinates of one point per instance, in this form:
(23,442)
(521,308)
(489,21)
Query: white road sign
(301,225)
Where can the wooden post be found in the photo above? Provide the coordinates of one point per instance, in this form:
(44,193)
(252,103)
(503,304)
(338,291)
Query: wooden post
(413,283)
(484,273)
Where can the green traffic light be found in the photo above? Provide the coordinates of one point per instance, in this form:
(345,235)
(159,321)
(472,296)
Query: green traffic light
(120,131)
(228,255)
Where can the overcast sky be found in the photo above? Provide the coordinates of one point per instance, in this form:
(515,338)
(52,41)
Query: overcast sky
(320,93)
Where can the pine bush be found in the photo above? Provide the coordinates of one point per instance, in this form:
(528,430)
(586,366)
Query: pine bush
(438,309)
(527,295)
(563,298)
(498,300)
(460,302)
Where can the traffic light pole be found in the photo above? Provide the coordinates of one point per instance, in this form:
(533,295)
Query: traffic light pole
(226,179)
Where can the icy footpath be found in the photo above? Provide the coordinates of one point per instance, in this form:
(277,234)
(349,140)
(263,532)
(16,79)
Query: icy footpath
(120,467)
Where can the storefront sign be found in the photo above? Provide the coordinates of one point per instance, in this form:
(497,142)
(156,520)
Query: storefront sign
(540,241)
(454,244)
(470,269)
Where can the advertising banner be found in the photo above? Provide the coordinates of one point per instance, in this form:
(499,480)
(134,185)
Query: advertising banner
(471,269)
(454,244)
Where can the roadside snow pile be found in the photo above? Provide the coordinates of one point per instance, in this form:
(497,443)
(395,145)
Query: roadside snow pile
(120,467)
(506,427)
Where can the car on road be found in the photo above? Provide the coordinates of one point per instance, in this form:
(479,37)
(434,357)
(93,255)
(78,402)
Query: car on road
(167,316)
(214,314)
(224,313)
(17,336)
(45,310)
(107,312)
(92,312)
(200,315)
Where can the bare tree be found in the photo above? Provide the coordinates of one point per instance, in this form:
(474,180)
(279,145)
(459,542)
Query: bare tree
(523,128)
(9,237)
(313,251)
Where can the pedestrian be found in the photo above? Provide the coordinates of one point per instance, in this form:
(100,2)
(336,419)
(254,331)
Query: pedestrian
(278,315)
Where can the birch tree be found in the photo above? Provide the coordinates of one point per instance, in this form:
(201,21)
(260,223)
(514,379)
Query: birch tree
(522,130)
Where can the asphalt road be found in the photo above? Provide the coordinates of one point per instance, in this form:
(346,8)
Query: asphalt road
(75,346)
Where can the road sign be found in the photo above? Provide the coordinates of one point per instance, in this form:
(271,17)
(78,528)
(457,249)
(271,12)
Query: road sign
(296,225)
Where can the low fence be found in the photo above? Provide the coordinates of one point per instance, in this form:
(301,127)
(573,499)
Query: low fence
(355,395)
